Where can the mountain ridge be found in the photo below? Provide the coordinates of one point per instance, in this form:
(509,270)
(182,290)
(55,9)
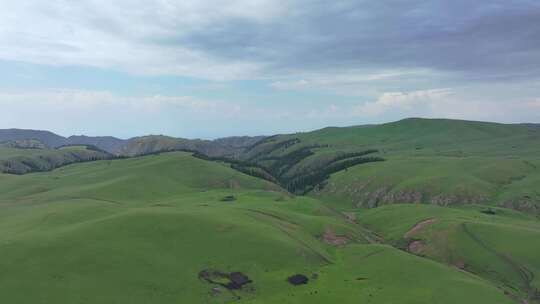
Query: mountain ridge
(215,147)
(121,147)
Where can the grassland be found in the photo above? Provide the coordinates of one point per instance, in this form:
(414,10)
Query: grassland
(141,230)
(497,244)
(26,160)
(436,161)
(438,180)
(152,229)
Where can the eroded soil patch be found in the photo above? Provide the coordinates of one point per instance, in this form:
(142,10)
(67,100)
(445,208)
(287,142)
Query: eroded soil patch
(416,247)
(419,226)
(329,237)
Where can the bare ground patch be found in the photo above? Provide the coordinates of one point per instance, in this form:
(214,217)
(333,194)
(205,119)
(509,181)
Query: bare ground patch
(329,237)
(419,226)
(416,247)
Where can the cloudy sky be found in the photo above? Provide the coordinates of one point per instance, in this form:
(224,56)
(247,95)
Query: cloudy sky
(195,68)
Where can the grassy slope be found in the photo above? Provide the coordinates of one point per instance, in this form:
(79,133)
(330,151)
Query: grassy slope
(435,137)
(21,161)
(437,161)
(438,180)
(501,248)
(139,231)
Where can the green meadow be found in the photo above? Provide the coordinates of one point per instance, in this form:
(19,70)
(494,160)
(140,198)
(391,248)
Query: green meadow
(26,160)
(435,161)
(141,230)
(416,211)
(497,244)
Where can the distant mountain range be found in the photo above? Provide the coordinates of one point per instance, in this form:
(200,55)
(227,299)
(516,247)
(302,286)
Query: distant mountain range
(229,146)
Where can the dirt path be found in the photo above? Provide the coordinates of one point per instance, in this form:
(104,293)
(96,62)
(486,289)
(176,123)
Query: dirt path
(419,226)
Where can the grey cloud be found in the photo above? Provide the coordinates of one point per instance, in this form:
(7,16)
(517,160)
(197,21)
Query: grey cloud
(471,40)
(474,38)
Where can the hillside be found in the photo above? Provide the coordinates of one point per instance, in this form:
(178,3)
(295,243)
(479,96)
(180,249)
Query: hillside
(440,137)
(223,147)
(23,144)
(172,228)
(105,143)
(501,181)
(17,160)
(434,161)
(228,146)
(48,138)
(496,244)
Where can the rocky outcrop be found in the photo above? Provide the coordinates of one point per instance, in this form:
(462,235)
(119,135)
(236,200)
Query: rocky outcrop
(366,195)
(525,204)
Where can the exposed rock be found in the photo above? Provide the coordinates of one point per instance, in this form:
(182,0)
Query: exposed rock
(527,205)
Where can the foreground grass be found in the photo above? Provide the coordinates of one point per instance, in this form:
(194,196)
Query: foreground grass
(140,231)
(500,246)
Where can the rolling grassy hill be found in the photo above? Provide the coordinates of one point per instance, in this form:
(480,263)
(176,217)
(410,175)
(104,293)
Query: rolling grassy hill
(229,146)
(417,136)
(443,180)
(16,160)
(182,228)
(136,146)
(156,229)
(436,161)
(497,244)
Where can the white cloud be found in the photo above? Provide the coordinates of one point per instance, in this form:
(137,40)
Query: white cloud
(89,112)
(393,101)
(70,111)
(348,81)
(470,103)
(119,34)
(84,100)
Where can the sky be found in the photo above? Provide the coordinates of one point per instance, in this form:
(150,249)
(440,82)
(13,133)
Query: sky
(208,69)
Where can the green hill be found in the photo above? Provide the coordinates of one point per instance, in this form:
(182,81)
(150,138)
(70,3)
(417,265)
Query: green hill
(417,136)
(172,228)
(496,244)
(229,146)
(143,145)
(17,160)
(436,161)
(223,224)
(23,144)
